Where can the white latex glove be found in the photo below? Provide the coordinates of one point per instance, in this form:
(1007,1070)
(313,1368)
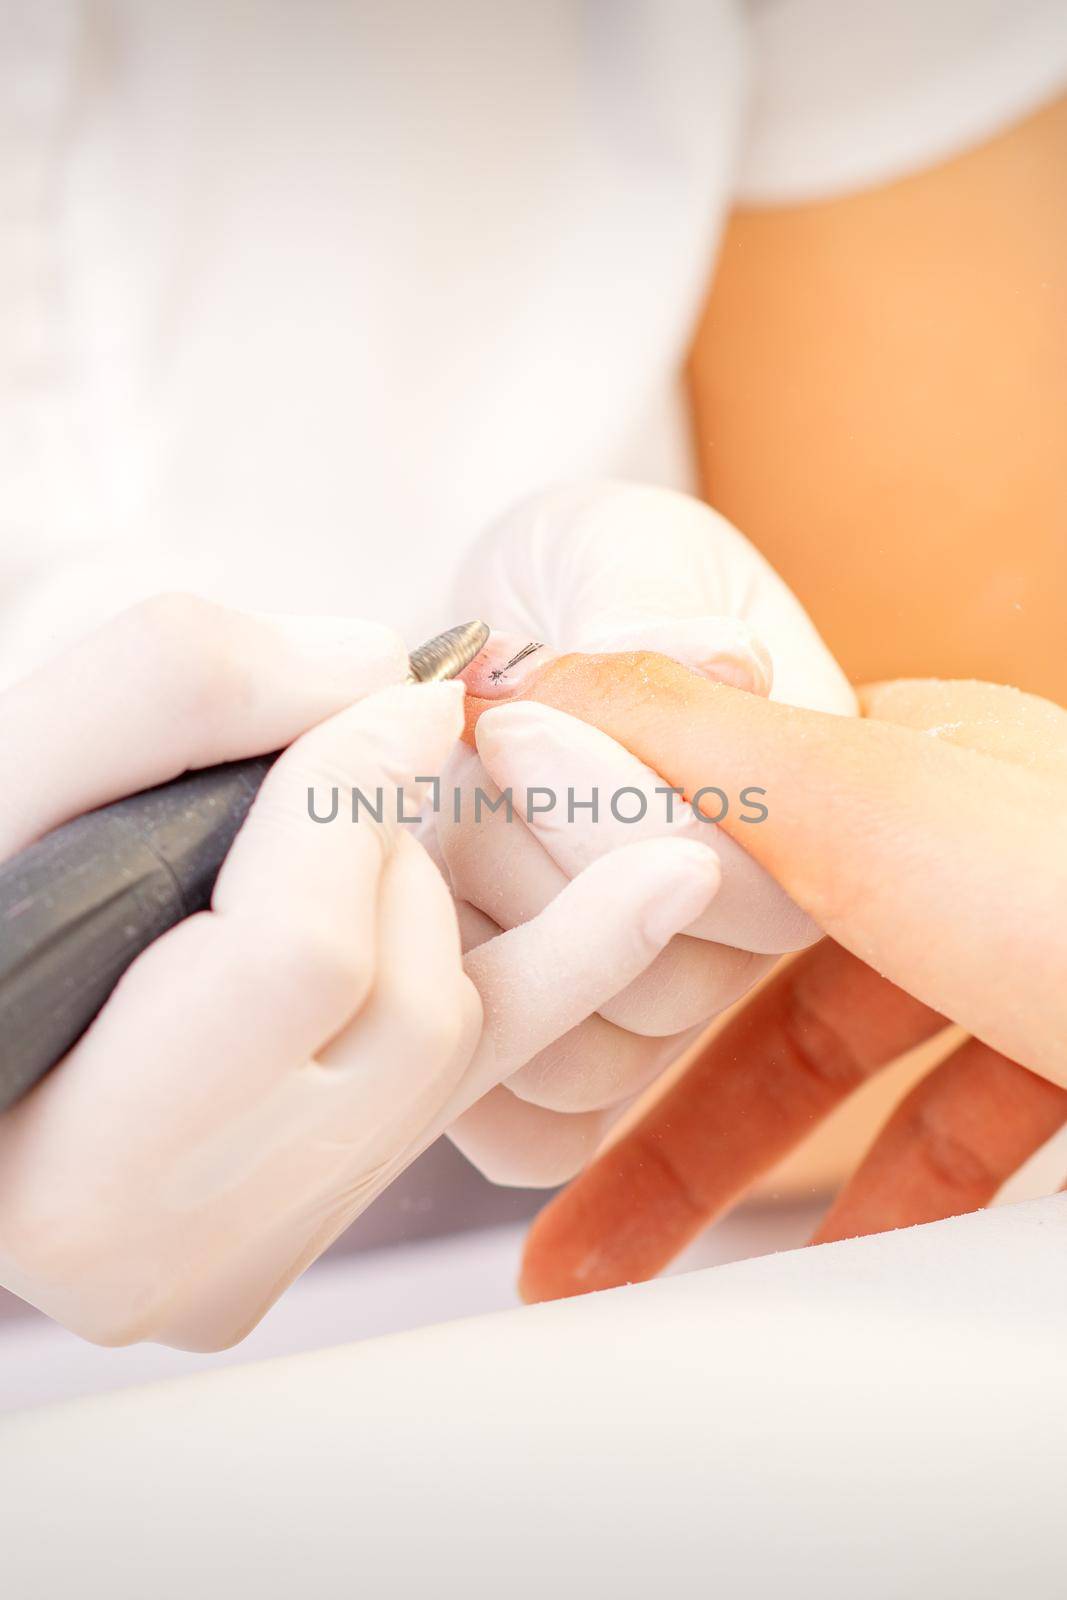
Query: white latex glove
(602,568)
(263,1070)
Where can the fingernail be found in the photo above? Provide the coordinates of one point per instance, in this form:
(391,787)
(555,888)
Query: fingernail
(506,663)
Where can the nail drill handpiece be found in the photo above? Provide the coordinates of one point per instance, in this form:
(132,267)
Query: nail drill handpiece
(81,904)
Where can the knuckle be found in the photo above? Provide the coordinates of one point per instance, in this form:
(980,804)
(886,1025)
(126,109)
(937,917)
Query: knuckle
(320,760)
(189,648)
(951,1159)
(80,1250)
(168,626)
(97,1270)
(331,973)
(510,1166)
(116,1325)
(824,880)
(669,1170)
(816,1051)
(828,892)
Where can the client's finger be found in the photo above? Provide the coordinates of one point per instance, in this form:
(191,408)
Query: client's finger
(880,831)
(722,648)
(949,1145)
(583,795)
(777,1069)
(992,717)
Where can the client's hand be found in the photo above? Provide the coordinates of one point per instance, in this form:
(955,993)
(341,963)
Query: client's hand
(263,1070)
(614,567)
(930,840)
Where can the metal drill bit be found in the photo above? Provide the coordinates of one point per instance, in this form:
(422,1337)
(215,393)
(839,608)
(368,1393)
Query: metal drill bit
(447,654)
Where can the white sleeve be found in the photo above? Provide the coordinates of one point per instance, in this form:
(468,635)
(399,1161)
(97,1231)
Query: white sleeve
(847,96)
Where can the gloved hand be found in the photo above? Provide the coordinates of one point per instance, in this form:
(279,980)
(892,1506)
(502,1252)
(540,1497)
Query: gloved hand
(264,1068)
(614,567)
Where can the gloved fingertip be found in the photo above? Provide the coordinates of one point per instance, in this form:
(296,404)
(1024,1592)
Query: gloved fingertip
(503,727)
(688,878)
(752,671)
(412,727)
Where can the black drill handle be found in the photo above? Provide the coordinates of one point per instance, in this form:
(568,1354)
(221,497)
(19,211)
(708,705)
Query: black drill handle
(80,905)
